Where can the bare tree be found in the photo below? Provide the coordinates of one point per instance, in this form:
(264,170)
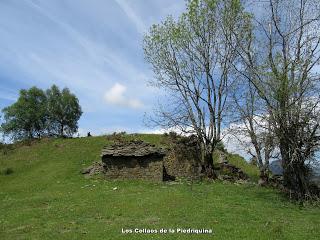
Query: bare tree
(280,61)
(192,59)
(252,127)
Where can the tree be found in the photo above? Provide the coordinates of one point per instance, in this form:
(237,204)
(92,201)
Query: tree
(27,117)
(192,60)
(37,113)
(279,57)
(252,127)
(64,112)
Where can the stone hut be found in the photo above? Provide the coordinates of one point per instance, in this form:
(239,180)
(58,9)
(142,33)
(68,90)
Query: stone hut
(141,160)
(133,160)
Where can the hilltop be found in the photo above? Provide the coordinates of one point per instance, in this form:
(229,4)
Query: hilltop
(45,197)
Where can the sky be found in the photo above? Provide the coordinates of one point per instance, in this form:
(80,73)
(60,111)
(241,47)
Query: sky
(92,47)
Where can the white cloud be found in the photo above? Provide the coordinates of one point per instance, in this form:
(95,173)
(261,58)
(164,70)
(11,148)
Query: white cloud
(116,96)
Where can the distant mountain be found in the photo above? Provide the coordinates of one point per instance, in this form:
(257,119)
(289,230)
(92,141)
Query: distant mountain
(276,168)
(315,177)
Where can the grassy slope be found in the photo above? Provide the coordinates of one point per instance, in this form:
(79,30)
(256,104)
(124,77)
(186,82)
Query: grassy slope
(237,160)
(252,171)
(47,198)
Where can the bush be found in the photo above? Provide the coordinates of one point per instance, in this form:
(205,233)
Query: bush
(5,148)
(220,146)
(7,171)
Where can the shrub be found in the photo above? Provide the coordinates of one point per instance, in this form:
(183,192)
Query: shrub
(7,171)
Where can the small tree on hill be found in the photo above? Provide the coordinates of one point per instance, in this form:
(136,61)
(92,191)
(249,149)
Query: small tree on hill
(26,118)
(37,113)
(64,111)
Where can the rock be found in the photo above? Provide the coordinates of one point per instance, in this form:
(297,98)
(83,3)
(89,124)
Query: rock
(262,182)
(86,170)
(135,148)
(229,172)
(225,178)
(133,160)
(222,158)
(95,168)
(183,157)
(276,180)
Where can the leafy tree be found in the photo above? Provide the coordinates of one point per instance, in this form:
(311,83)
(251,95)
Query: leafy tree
(280,58)
(27,117)
(37,113)
(64,112)
(192,59)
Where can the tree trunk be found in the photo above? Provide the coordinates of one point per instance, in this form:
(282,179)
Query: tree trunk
(264,177)
(294,174)
(208,163)
(61,130)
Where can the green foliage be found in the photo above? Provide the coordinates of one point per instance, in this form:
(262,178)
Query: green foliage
(47,198)
(26,118)
(238,161)
(64,112)
(37,113)
(220,146)
(192,58)
(253,161)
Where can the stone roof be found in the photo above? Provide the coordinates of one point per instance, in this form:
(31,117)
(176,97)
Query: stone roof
(132,148)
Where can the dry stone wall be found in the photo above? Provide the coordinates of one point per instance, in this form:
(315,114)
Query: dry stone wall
(147,167)
(133,160)
(182,160)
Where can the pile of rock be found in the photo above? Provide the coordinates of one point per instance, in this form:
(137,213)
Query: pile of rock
(229,172)
(276,181)
(94,169)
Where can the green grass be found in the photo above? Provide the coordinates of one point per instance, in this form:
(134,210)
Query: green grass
(47,198)
(237,160)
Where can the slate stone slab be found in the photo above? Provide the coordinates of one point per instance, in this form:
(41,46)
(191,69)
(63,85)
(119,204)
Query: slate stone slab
(132,148)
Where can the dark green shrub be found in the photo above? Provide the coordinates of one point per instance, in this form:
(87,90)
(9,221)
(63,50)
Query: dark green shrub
(7,171)
(220,146)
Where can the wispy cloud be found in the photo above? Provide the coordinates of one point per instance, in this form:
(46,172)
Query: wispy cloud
(131,14)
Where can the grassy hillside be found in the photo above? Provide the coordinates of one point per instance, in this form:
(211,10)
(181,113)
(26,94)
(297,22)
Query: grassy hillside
(252,171)
(47,198)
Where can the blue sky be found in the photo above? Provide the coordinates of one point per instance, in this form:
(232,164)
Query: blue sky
(92,47)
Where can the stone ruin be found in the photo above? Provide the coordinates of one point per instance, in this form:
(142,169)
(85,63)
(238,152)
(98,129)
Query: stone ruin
(182,159)
(140,160)
(133,160)
(130,160)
